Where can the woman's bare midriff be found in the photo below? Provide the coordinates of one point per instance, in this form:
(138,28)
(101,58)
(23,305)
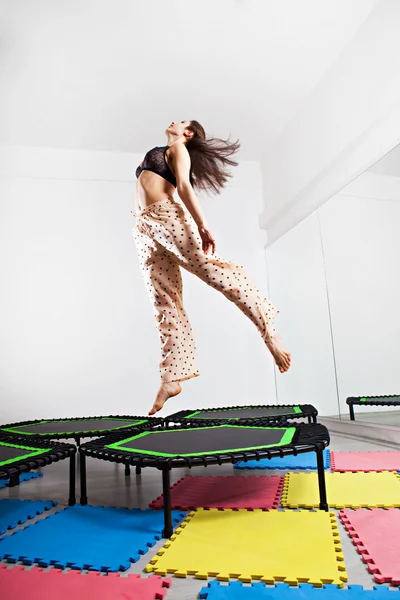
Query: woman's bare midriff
(151,188)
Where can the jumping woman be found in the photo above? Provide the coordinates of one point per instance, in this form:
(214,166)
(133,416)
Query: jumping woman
(169,234)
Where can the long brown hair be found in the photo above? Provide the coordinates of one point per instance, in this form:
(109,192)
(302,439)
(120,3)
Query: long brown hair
(208,159)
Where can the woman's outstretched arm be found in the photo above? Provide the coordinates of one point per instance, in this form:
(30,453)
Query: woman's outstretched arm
(181,165)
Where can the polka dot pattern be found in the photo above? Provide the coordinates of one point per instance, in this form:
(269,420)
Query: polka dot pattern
(167,238)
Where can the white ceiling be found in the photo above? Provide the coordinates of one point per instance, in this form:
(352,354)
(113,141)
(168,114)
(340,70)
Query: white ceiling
(389,164)
(112,74)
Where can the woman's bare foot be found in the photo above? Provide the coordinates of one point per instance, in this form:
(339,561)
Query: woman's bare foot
(167,390)
(279,352)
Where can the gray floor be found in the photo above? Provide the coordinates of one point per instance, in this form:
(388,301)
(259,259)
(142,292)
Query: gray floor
(107,485)
(373,415)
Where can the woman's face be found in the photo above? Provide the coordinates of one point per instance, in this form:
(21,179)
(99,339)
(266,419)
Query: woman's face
(177,128)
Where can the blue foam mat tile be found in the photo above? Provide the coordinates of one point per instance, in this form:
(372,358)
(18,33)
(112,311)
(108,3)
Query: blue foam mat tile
(281,591)
(96,538)
(17,512)
(23,477)
(308,460)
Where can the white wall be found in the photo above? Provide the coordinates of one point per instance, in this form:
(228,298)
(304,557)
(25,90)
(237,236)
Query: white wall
(355,269)
(78,333)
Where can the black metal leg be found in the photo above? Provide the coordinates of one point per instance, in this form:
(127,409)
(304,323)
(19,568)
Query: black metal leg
(127,470)
(78,441)
(83,478)
(138,470)
(72,498)
(309,419)
(323,503)
(351,409)
(14,481)
(314,418)
(167,531)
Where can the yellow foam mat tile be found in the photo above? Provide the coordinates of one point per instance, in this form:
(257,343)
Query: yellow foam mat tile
(343,490)
(271,546)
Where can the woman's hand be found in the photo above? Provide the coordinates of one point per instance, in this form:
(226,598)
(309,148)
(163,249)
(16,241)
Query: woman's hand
(207,240)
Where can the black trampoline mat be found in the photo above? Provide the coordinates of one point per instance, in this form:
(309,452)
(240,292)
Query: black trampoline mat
(245,413)
(205,440)
(380,399)
(10,453)
(73,426)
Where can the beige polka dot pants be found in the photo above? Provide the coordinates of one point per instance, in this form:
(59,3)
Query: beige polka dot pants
(167,238)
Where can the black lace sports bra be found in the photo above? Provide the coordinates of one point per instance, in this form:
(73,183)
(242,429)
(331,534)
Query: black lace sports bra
(155,161)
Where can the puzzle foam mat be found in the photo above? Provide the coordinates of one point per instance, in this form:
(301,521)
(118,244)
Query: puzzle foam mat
(366,461)
(18,583)
(352,490)
(87,537)
(305,591)
(308,460)
(247,545)
(16,512)
(376,534)
(224,492)
(23,477)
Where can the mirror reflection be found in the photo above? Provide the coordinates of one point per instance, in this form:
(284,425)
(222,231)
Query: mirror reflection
(362,266)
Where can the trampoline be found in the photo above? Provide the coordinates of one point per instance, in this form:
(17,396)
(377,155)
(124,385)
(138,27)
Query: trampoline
(76,427)
(245,415)
(184,446)
(18,455)
(79,427)
(370,401)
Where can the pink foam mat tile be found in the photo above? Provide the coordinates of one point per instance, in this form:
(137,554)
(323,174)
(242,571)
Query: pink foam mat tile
(376,534)
(220,492)
(386,460)
(36,584)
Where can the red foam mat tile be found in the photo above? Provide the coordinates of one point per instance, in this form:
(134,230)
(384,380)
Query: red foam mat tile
(365,461)
(36,584)
(220,492)
(376,533)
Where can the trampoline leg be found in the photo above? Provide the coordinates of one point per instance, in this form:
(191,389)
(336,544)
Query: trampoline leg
(83,478)
(167,531)
(78,441)
(309,418)
(127,470)
(14,481)
(351,409)
(138,470)
(71,499)
(323,503)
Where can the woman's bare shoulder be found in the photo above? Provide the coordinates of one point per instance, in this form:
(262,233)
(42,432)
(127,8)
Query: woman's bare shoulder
(177,148)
